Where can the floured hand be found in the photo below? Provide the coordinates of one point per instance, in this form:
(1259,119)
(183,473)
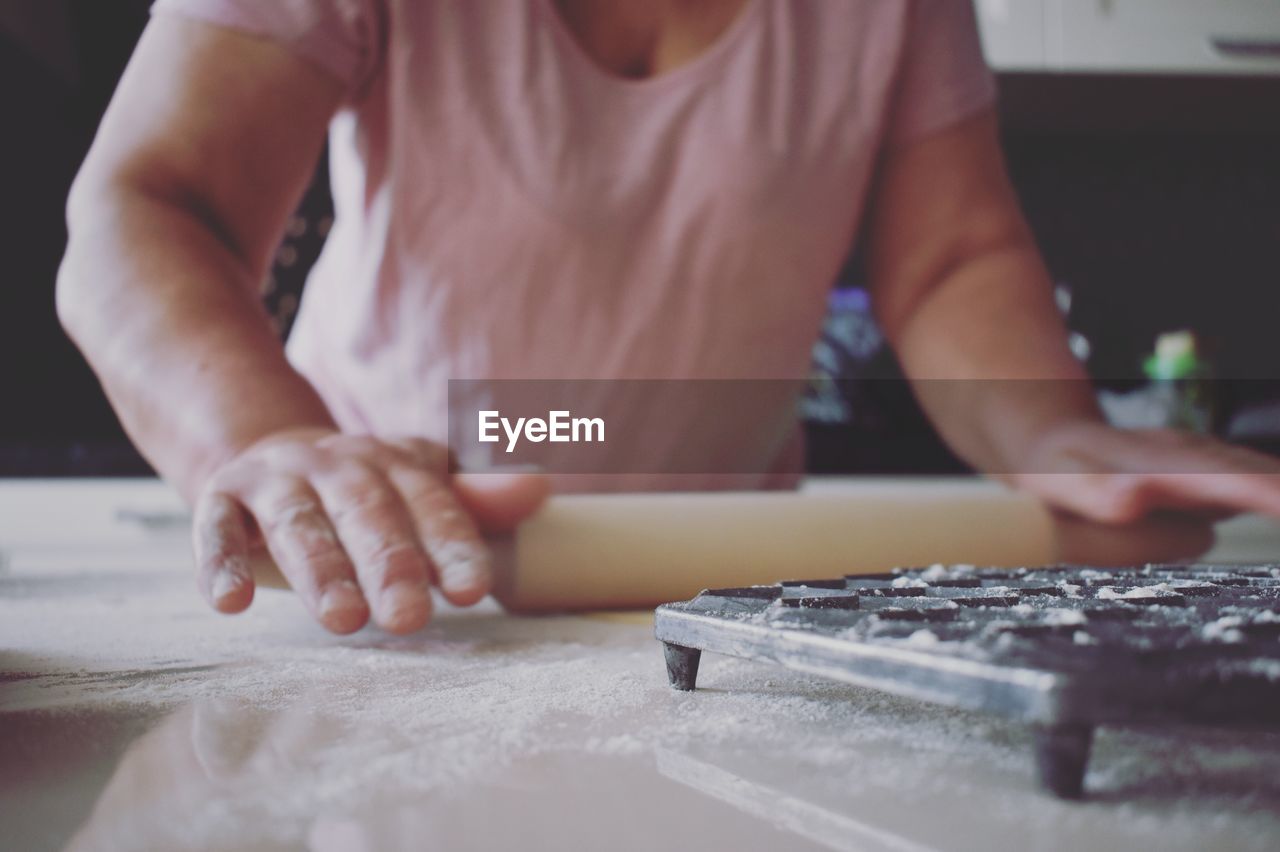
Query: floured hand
(358,526)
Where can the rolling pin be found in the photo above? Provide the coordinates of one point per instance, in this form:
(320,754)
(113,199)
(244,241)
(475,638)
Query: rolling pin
(629,550)
(614,551)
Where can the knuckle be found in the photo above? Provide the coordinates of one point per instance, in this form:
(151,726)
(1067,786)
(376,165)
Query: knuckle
(394,548)
(395,563)
(303,530)
(353,450)
(295,522)
(217,525)
(449,521)
(221,562)
(425,454)
(424,492)
(334,439)
(422,448)
(230,478)
(370,505)
(295,458)
(322,551)
(353,470)
(293,512)
(351,473)
(364,445)
(210,507)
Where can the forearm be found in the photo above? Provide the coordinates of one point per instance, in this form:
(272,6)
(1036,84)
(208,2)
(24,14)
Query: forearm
(987,352)
(167,314)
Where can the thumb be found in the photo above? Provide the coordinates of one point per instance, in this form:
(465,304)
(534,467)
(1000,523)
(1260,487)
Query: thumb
(500,501)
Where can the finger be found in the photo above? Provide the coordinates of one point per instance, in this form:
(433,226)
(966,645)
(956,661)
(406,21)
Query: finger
(462,565)
(1189,471)
(303,543)
(500,501)
(220,537)
(1101,497)
(1162,538)
(377,534)
(1241,491)
(432,457)
(1128,498)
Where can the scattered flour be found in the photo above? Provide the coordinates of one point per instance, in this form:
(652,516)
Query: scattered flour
(922,639)
(1225,629)
(1110,593)
(1070,590)
(909,583)
(939,571)
(1062,616)
(300,723)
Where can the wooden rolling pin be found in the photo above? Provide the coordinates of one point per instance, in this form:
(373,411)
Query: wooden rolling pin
(629,550)
(613,551)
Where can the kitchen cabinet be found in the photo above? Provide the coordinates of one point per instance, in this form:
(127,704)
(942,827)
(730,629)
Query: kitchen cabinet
(1234,37)
(1013,33)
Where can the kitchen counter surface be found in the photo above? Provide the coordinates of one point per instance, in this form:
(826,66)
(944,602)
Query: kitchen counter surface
(133,718)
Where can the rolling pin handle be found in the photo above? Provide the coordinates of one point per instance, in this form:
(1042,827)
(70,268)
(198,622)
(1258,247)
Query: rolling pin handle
(682,665)
(1062,753)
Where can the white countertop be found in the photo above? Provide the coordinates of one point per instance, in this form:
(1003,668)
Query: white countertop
(132,717)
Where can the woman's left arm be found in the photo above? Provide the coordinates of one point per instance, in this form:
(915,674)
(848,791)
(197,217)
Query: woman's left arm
(963,296)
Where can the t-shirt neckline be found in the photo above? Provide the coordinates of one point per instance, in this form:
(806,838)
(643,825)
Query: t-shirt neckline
(699,66)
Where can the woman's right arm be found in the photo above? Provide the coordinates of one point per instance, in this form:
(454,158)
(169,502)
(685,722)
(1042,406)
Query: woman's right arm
(201,157)
(204,152)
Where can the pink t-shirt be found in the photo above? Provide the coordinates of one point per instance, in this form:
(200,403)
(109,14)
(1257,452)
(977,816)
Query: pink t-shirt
(508,209)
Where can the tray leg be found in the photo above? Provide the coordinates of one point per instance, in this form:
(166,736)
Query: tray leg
(1062,752)
(682,665)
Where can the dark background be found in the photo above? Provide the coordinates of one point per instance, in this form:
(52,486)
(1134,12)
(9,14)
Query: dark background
(1156,201)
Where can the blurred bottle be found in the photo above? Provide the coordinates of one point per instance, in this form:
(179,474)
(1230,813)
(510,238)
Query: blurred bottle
(1180,373)
(1179,394)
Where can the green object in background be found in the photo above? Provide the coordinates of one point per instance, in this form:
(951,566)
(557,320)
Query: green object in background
(1182,375)
(1175,358)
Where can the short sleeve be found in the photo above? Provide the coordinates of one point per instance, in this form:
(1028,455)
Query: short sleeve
(344,37)
(942,77)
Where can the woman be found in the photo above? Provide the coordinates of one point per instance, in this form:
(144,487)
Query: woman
(556,189)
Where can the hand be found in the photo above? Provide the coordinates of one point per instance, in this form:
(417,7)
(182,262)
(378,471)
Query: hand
(1117,476)
(356,525)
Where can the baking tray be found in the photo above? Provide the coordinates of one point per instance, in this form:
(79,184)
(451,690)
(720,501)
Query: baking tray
(1064,648)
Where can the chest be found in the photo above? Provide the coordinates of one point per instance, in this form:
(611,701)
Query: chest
(642,39)
(776,117)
